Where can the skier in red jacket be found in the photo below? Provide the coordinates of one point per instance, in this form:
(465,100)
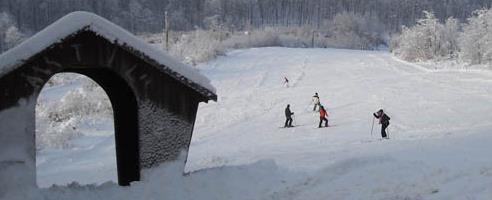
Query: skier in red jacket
(322,116)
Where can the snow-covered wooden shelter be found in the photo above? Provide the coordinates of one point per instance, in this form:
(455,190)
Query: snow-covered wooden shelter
(154,97)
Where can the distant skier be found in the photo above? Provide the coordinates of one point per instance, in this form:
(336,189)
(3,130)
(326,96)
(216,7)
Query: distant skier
(384,121)
(316,101)
(323,116)
(286,82)
(288,116)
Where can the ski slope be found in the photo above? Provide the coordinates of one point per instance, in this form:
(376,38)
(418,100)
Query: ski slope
(439,130)
(243,125)
(439,147)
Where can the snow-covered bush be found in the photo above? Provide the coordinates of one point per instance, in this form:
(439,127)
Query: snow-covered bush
(197,46)
(354,31)
(202,45)
(300,37)
(256,38)
(476,40)
(58,120)
(345,30)
(428,39)
(55,134)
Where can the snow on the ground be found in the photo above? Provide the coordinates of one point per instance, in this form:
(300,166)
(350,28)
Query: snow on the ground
(439,127)
(90,159)
(423,104)
(440,132)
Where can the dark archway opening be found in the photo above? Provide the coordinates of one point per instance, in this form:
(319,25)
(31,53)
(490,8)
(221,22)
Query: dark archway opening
(125,117)
(125,111)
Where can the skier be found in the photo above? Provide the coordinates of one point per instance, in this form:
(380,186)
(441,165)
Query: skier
(383,120)
(322,116)
(286,82)
(288,116)
(316,101)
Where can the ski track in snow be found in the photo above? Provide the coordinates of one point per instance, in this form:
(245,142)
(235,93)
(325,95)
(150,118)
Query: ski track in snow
(440,125)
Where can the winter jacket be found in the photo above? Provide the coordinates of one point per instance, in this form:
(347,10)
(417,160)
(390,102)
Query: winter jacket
(288,114)
(322,113)
(383,118)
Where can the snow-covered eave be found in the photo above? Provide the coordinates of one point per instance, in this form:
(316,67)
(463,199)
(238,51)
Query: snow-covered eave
(77,22)
(205,91)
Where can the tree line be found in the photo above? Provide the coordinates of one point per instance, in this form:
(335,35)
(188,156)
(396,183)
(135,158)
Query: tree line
(148,15)
(336,22)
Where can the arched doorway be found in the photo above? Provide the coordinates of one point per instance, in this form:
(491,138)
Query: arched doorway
(74,132)
(124,119)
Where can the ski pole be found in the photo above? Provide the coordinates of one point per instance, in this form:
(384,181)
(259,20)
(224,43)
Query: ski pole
(372,128)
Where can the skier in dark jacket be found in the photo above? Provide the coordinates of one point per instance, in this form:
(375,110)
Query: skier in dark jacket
(383,120)
(322,116)
(288,116)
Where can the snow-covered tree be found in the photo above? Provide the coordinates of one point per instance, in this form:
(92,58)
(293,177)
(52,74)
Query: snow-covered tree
(428,39)
(476,39)
(450,35)
(197,46)
(9,33)
(13,37)
(60,120)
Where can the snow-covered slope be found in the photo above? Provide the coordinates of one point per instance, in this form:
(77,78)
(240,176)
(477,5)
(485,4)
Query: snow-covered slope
(440,132)
(439,127)
(423,104)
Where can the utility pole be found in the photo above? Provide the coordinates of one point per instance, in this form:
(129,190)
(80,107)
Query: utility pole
(312,40)
(166,20)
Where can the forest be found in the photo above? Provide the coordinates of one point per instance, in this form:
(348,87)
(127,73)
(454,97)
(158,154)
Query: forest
(148,15)
(202,29)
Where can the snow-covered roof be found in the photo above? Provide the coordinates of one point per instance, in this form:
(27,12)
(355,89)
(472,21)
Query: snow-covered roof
(80,21)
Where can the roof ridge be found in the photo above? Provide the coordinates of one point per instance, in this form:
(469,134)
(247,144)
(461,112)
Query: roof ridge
(79,20)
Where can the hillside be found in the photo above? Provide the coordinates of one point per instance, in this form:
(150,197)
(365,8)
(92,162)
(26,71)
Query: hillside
(440,125)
